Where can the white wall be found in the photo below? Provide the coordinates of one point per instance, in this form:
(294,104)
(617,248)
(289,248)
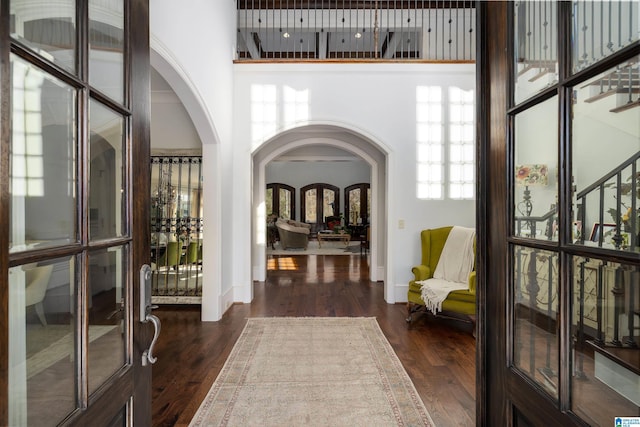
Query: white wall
(377,99)
(193,49)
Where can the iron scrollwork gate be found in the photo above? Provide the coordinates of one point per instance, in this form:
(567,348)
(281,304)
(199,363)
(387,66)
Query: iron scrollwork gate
(176,228)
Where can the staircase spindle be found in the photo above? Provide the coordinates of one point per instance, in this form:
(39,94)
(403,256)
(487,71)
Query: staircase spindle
(580,335)
(548,370)
(630,87)
(633,282)
(533,288)
(619,24)
(610,43)
(600,335)
(618,292)
(585,55)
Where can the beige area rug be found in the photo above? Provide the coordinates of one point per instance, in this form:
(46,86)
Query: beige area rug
(312,372)
(328,248)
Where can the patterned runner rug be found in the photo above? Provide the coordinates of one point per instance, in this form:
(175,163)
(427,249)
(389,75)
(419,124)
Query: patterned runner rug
(312,372)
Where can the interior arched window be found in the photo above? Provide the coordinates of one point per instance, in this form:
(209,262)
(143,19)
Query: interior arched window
(319,201)
(357,203)
(280,200)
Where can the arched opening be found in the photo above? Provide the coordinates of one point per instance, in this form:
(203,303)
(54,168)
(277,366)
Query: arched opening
(372,152)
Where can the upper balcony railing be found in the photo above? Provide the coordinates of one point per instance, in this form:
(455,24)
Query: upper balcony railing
(336,30)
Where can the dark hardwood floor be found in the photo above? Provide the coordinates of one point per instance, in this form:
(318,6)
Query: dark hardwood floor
(439,356)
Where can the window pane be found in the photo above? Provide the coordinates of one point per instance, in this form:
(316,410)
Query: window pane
(536,47)
(268,201)
(50,30)
(535,341)
(106,42)
(107,314)
(310,205)
(605,340)
(106,198)
(285,203)
(41,342)
(535,171)
(42,160)
(601,28)
(328,202)
(606,204)
(354,206)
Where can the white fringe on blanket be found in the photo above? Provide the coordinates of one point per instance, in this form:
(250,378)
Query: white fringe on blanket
(434,291)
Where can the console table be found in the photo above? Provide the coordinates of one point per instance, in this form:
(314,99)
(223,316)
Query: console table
(343,237)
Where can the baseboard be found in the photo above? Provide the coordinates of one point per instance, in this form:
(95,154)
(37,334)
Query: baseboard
(226,300)
(400,292)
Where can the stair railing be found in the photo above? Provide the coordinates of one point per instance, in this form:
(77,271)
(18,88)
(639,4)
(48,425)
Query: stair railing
(598,188)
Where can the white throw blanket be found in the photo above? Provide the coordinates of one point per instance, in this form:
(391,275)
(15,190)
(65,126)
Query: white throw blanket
(453,269)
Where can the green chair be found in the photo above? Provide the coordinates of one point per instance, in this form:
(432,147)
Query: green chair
(459,304)
(171,256)
(191,257)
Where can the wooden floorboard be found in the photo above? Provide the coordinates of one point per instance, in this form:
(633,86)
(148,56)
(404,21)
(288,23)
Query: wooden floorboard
(438,355)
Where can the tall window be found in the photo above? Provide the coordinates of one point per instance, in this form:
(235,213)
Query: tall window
(357,207)
(461,144)
(280,200)
(319,201)
(429,135)
(445,143)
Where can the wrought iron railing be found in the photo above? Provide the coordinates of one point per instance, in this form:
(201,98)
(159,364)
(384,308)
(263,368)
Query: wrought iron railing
(176,227)
(610,192)
(348,30)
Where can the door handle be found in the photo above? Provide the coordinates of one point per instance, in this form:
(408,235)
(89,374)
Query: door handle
(145,313)
(147,355)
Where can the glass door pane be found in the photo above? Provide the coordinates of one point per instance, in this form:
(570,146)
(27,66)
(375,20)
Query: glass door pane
(605,345)
(606,113)
(42,343)
(106,196)
(49,29)
(535,341)
(535,174)
(107,314)
(106,47)
(601,28)
(43,160)
(536,47)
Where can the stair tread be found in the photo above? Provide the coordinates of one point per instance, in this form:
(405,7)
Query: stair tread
(627,357)
(626,106)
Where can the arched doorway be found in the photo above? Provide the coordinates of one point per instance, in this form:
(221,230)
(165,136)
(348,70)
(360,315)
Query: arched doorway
(365,147)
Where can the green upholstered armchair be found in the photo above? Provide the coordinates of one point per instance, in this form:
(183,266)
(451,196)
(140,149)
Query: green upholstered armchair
(460,304)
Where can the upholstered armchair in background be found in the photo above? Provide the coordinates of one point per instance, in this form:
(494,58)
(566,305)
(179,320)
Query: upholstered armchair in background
(293,234)
(461,303)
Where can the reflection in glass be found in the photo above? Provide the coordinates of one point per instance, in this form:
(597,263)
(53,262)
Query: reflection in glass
(536,47)
(106,198)
(42,162)
(535,341)
(106,47)
(107,314)
(535,171)
(41,343)
(50,31)
(601,28)
(606,205)
(605,344)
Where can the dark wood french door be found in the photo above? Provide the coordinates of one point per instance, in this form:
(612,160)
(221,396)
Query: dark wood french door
(558,213)
(74,119)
